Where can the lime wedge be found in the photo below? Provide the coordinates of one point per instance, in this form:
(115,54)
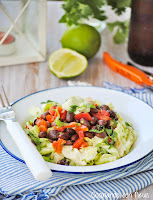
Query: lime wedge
(67,63)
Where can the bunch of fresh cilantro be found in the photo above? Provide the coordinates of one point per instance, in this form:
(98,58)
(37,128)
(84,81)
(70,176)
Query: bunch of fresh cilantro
(76,10)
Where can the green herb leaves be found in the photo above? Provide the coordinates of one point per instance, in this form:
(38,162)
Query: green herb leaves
(49,101)
(121,31)
(82,9)
(119,6)
(73,108)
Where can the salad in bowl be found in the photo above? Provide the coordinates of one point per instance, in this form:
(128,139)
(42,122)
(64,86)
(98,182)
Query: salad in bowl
(79,132)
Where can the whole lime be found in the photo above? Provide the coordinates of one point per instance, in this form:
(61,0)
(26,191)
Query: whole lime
(83,38)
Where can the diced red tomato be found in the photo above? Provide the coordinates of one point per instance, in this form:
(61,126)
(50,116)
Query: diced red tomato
(40,122)
(70,125)
(102,114)
(58,145)
(42,128)
(50,118)
(82,128)
(52,111)
(60,129)
(77,144)
(81,134)
(59,108)
(63,115)
(84,144)
(106,118)
(83,115)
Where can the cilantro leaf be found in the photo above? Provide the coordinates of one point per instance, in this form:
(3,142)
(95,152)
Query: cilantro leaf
(73,108)
(49,101)
(119,6)
(96,131)
(108,131)
(82,9)
(113,135)
(115,123)
(121,31)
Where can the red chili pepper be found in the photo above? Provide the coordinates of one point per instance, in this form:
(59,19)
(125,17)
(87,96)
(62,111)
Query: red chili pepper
(83,115)
(77,144)
(128,71)
(58,145)
(81,134)
(82,128)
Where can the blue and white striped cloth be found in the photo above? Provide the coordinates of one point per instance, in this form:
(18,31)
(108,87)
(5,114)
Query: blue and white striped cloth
(17,182)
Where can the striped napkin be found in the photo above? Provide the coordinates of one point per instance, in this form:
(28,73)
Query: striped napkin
(16,182)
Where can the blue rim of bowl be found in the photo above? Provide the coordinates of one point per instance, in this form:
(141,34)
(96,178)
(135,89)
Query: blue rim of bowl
(19,159)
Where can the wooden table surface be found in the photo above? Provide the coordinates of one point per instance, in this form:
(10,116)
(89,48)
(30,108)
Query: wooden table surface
(24,79)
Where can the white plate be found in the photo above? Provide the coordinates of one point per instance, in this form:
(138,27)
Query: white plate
(132,109)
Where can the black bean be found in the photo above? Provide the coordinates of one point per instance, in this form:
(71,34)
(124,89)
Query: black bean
(93,110)
(64,136)
(101,135)
(116,118)
(93,121)
(74,137)
(48,125)
(69,117)
(102,122)
(53,135)
(71,131)
(51,140)
(105,107)
(43,116)
(85,122)
(112,114)
(68,142)
(42,134)
(63,162)
(94,127)
(89,134)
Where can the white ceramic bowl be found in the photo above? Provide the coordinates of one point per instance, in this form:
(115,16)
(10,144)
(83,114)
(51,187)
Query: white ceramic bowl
(132,109)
